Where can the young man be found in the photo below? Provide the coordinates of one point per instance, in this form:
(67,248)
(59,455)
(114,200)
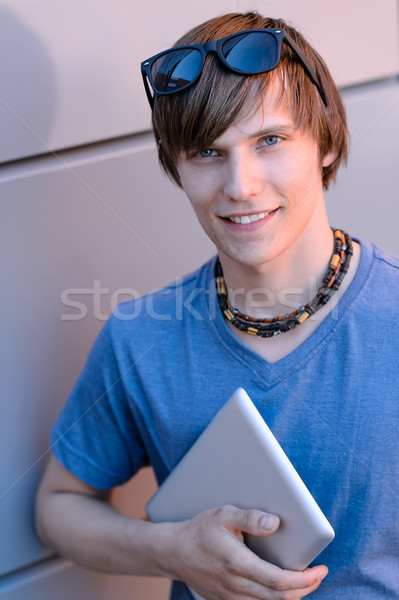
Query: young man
(253,137)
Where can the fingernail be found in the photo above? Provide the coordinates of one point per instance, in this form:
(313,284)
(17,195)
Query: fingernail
(269,522)
(323,573)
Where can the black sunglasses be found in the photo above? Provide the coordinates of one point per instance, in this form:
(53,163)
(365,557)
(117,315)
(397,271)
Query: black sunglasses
(248,52)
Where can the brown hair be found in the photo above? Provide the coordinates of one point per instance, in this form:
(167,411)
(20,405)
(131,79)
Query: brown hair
(191,120)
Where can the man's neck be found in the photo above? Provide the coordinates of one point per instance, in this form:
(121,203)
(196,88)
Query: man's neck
(285,282)
(276,348)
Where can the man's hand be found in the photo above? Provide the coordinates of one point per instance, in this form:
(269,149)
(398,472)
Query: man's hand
(207,552)
(210,556)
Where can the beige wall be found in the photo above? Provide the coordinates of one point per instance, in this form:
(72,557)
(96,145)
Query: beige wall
(100,215)
(71,70)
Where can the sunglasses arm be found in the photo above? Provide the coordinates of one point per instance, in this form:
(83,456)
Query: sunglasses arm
(147,89)
(306,65)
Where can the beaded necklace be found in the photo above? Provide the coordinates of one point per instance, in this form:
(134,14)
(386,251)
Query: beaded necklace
(338,267)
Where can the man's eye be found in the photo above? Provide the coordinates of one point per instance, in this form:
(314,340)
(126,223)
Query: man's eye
(206,153)
(270,140)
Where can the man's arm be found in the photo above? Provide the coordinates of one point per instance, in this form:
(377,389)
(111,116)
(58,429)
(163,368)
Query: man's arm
(77,521)
(206,552)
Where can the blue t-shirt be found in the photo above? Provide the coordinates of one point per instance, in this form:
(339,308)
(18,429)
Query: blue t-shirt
(164,364)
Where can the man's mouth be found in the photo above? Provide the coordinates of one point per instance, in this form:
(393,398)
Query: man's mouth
(245,219)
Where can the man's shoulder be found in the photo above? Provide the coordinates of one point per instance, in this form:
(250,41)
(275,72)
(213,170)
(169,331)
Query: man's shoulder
(384,273)
(380,286)
(384,258)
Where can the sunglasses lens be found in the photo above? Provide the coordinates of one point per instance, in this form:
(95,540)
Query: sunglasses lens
(251,52)
(175,69)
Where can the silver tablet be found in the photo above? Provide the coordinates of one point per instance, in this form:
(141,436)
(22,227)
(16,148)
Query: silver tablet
(237,460)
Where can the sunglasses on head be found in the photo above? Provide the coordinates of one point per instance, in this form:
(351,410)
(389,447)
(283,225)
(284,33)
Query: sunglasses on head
(248,52)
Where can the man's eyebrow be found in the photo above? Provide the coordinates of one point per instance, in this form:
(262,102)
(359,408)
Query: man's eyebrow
(273,128)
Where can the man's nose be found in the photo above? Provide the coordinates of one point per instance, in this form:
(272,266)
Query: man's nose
(243,178)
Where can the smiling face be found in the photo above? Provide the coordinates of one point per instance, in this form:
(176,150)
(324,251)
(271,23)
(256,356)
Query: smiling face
(257,190)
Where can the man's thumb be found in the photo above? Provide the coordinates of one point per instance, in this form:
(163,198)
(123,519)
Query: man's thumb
(269,523)
(256,522)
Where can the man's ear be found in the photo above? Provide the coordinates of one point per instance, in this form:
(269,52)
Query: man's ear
(329,158)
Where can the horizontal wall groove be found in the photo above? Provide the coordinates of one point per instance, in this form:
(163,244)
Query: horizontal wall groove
(138,142)
(383,82)
(58,159)
(32,572)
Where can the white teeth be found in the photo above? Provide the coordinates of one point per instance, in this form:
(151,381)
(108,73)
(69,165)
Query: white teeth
(253,218)
(249,219)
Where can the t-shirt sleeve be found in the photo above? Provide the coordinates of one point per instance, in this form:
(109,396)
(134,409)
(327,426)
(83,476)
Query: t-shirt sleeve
(95,436)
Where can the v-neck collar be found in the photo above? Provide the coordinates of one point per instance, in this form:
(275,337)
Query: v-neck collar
(274,371)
